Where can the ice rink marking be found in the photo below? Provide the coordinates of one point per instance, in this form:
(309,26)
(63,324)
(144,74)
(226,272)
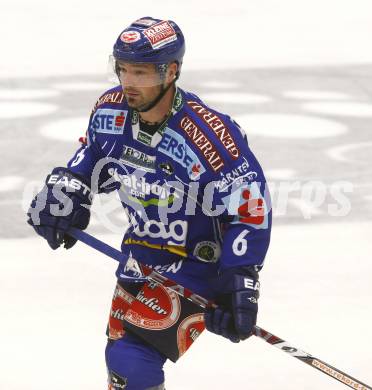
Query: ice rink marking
(337,153)
(24,94)
(289,126)
(68,130)
(10,183)
(234,98)
(279,174)
(25,109)
(362,110)
(215,84)
(83,86)
(316,95)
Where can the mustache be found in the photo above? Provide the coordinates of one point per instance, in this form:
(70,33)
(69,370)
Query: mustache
(130,90)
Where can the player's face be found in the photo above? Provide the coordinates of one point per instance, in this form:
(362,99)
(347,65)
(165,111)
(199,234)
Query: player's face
(141,83)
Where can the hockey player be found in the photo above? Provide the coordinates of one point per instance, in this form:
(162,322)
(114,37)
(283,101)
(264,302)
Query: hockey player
(195,197)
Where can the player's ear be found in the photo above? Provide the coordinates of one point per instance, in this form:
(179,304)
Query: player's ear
(172,70)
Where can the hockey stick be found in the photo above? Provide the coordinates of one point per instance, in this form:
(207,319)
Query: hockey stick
(204,303)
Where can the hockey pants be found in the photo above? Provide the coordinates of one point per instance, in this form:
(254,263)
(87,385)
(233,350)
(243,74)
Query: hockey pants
(133,365)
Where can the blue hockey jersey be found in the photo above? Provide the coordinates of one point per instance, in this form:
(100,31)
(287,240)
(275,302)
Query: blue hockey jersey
(194,193)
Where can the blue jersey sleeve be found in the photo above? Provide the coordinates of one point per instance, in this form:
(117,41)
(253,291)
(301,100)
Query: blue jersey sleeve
(85,158)
(241,189)
(88,161)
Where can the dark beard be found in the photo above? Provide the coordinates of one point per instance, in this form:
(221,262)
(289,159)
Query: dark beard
(131,102)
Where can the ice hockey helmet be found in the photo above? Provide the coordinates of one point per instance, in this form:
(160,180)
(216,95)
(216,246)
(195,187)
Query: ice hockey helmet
(150,40)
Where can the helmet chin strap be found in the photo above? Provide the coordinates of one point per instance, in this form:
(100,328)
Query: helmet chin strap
(163,91)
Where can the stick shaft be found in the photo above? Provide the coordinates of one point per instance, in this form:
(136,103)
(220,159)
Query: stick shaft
(146,271)
(312,361)
(205,303)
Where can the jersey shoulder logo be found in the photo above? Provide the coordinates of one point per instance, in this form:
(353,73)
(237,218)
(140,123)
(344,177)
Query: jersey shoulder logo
(248,206)
(216,124)
(202,143)
(109,121)
(111,98)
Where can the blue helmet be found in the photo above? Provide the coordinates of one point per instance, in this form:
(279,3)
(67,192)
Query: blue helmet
(149,40)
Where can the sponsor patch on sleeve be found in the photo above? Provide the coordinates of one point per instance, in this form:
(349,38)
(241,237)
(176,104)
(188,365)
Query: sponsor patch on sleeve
(248,206)
(109,121)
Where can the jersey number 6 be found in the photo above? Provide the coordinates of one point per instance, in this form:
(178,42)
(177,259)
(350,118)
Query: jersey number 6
(240,244)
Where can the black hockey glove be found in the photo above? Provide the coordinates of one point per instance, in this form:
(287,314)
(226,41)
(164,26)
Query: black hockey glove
(237,309)
(63,202)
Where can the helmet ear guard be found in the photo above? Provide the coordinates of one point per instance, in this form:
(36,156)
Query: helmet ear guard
(162,70)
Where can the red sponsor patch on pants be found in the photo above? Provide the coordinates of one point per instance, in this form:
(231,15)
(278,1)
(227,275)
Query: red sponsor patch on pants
(121,302)
(164,319)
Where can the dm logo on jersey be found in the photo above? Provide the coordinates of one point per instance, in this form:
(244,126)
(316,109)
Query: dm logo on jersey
(109,121)
(174,146)
(248,206)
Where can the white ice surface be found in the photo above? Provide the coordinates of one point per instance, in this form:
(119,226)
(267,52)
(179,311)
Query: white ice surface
(239,34)
(54,307)
(54,304)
